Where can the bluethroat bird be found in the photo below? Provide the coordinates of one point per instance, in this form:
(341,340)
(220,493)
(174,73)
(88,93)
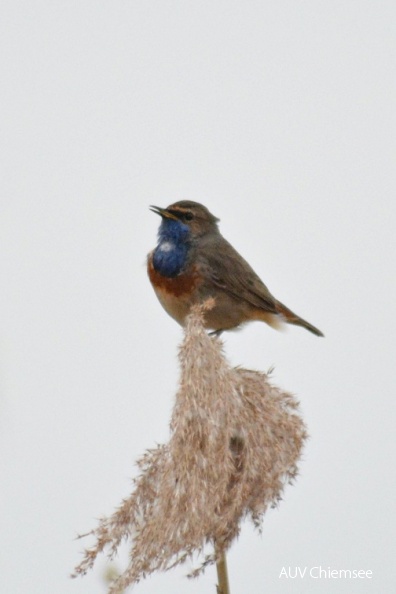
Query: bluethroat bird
(193,262)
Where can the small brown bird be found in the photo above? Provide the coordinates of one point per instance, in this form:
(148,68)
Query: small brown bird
(193,262)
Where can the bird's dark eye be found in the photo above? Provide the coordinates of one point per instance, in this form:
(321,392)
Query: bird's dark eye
(188,216)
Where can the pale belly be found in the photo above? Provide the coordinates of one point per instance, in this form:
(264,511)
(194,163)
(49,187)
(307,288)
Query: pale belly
(177,307)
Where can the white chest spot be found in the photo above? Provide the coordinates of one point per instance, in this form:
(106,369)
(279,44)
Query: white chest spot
(166,246)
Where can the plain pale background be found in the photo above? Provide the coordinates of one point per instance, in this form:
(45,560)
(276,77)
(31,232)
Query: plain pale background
(278,116)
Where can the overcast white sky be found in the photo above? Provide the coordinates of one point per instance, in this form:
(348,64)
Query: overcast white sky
(278,116)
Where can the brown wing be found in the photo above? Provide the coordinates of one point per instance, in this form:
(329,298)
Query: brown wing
(231,273)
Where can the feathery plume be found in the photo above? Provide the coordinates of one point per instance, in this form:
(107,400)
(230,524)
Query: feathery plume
(234,444)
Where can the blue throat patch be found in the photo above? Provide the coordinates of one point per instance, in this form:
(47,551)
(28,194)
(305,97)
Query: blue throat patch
(170,255)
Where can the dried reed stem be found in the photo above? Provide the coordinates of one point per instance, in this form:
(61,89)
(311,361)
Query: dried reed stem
(223,586)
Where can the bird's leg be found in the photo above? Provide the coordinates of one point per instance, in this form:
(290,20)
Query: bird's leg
(216,332)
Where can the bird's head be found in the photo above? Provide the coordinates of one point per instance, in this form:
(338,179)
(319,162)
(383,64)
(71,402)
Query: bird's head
(187,217)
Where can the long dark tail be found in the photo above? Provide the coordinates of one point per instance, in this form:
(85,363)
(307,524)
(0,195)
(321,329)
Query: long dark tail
(292,318)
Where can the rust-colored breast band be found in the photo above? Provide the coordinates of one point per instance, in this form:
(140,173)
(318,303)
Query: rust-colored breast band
(176,286)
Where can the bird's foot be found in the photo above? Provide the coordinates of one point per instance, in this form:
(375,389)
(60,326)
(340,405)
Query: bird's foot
(216,332)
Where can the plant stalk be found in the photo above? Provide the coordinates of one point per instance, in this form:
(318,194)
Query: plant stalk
(223,586)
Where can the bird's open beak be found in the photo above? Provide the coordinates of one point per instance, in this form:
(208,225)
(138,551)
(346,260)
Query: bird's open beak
(163,212)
